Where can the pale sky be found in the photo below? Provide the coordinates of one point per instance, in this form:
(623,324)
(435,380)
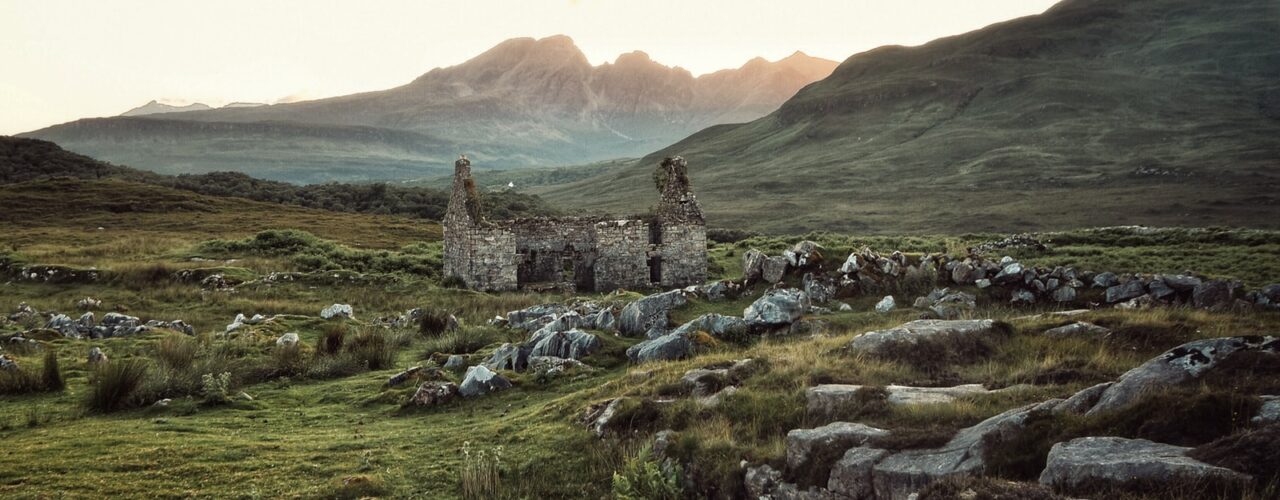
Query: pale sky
(61,60)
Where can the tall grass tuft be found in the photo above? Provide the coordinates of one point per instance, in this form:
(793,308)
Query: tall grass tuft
(114,384)
(331,339)
(463,341)
(434,322)
(371,348)
(52,375)
(19,381)
(481,472)
(176,352)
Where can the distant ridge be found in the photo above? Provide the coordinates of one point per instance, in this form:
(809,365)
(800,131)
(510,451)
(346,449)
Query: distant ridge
(156,108)
(526,102)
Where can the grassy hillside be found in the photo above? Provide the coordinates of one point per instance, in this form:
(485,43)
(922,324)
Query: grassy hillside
(322,426)
(1163,112)
(32,159)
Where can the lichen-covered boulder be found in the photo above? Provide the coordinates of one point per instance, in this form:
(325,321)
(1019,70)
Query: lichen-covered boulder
(777,307)
(96,356)
(1215,294)
(717,325)
(803,254)
(1177,366)
(455,362)
(63,324)
(886,304)
(1269,412)
(1131,289)
(820,288)
(653,311)
(851,476)
(435,393)
(753,265)
(1087,464)
(341,311)
(509,356)
(480,381)
(7,363)
(535,317)
(774,269)
(668,347)
(572,344)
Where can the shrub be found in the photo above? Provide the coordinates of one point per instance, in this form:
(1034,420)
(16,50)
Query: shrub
(643,477)
(334,366)
(216,388)
(176,351)
(114,384)
(481,472)
(371,348)
(287,360)
(52,375)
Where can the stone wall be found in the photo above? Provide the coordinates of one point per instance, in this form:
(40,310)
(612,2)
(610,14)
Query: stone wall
(483,257)
(684,254)
(622,254)
(555,250)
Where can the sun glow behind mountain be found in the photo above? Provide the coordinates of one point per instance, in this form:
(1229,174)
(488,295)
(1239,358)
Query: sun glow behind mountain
(68,60)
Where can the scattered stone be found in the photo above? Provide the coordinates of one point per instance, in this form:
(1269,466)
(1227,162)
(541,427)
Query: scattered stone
(885,305)
(826,400)
(162,403)
(455,362)
(982,283)
(753,265)
(97,357)
(509,356)
(701,382)
(716,324)
(1023,296)
(1181,283)
(777,307)
(598,415)
(435,393)
(403,376)
(88,303)
(7,363)
(1064,294)
(289,339)
(1077,329)
(653,311)
(820,289)
(341,311)
(480,381)
(803,254)
(1011,274)
(845,307)
(1087,464)
(63,324)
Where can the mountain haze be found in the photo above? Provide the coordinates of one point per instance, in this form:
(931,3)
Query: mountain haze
(156,108)
(523,103)
(1096,112)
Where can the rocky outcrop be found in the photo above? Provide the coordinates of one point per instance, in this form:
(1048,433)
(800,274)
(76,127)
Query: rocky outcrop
(825,401)
(852,476)
(571,344)
(1085,465)
(717,325)
(818,448)
(1269,412)
(1178,366)
(647,313)
(886,304)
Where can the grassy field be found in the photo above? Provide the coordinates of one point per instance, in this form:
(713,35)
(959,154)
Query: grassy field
(321,426)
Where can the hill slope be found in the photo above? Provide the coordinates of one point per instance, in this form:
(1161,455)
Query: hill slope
(523,103)
(1096,112)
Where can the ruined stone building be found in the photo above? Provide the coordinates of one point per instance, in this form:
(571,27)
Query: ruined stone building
(667,249)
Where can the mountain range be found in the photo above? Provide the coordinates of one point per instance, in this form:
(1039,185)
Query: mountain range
(523,103)
(1096,112)
(157,108)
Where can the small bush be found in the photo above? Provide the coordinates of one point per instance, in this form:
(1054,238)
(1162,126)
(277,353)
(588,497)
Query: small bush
(216,388)
(176,351)
(287,360)
(114,384)
(334,366)
(371,348)
(52,375)
(644,477)
(360,486)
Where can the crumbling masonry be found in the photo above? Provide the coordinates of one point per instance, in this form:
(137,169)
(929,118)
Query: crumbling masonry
(668,249)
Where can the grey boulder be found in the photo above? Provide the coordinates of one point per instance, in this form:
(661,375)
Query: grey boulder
(342,311)
(1085,464)
(912,333)
(480,381)
(1077,329)
(653,311)
(820,447)
(665,348)
(435,393)
(777,307)
(572,344)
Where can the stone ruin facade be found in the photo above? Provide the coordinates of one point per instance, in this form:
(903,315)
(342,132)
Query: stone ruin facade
(593,253)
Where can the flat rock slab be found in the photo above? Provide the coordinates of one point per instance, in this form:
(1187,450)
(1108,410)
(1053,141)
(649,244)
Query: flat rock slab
(911,333)
(815,450)
(827,399)
(1077,329)
(1084,464)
